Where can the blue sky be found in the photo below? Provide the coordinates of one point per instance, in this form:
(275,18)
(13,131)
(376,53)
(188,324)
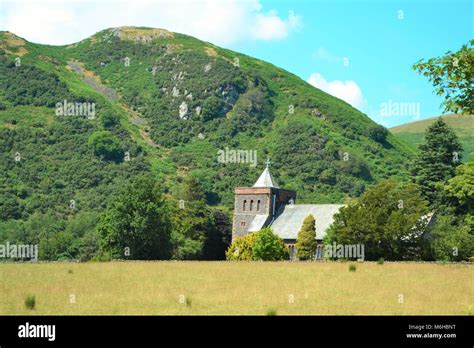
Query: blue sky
(380,47)
(360,51)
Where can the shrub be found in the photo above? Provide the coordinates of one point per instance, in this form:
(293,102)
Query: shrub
(101,256)
(30,302)
(269,247)
(469,311)
(272,312)
(451,240)
(381,261)
(328,176)
(212,108)
(109,119)
(352,267)
(106,145)
(378,133)
(241,248)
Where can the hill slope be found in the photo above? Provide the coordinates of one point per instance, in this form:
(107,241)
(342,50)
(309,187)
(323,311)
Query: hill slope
(463,126)
(167,103)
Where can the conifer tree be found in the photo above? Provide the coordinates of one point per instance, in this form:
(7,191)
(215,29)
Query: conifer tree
(437,161)
(306,243)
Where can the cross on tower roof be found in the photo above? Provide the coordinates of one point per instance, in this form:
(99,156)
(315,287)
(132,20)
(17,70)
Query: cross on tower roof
(268,162)
(266,179)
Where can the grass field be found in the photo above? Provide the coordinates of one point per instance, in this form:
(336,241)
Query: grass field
(463,125)
(197,288)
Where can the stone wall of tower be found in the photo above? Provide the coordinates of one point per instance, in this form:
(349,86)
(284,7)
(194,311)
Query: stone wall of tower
(243,219)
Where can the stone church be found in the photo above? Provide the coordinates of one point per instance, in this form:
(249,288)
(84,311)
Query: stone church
(265,204)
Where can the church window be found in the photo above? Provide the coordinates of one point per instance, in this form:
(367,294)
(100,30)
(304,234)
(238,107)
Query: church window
(245,205)
(251,205)
(258,205)
(242,223)
(292,249)
(319,252)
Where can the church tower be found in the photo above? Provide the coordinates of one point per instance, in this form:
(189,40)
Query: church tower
(257,206)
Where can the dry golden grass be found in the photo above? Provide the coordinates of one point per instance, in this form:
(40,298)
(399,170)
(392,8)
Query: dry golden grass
(211,52)
(156,288)
(131,33)
(13,44)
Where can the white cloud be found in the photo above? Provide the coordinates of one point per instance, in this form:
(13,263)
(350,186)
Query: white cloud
(323,54)
(347,90)
(222,22)
(269,26)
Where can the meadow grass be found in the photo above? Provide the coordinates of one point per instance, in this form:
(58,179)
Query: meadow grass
(157,288)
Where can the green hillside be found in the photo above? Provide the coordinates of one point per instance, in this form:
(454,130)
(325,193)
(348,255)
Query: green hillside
(463,126)
(168,103)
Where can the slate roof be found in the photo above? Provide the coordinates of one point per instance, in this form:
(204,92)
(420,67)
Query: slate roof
(258,222)
(266,180)
(290,219)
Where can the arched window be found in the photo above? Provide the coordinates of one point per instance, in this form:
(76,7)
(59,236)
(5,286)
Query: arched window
(258,205)
(245,205)
(292,250)
(251,205)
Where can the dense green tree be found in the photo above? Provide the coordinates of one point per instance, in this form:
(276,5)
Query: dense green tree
(212,108)
(219,235)
(109,119)
(136,224)
(191,222)
(269,247)
(9,206)
(451,76)
(58,239)
(241,248)
(199,232)
(82,223)
(193,190)
(85,238)
(58,246)
(387,219)
(460,189)
(378,133)
(88,245)
(30,85)
(451,239)
(41,226)
(106,145)
(306,243)
(438,158)
(43,229)
(48,231)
